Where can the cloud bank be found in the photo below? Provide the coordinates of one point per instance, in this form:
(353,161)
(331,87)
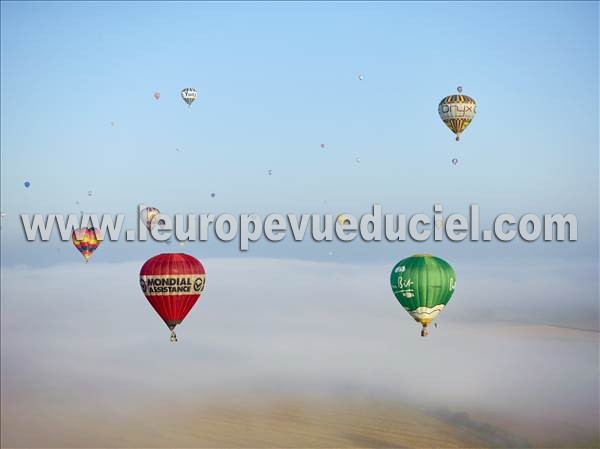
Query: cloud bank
(84,337)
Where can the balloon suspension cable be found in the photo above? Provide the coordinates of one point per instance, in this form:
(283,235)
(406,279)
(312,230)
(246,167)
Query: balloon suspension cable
(173,336)
(424,331)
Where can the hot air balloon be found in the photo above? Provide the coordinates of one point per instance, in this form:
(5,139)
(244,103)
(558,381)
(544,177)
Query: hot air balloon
(86,240)
(172,283)
(361,77)
(454,161)
(147,215)
(27,184)
(423,284)
(343,219)
(157,95)
(189,94)
(269,172)
(457,112)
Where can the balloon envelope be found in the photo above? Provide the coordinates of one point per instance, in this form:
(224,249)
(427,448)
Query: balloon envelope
(86,240)
(423,284)
(172,283)
(147,215)
(343,219)
(188,95)
(457,112)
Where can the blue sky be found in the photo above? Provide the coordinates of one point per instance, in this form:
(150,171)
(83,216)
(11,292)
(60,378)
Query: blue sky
(274,81)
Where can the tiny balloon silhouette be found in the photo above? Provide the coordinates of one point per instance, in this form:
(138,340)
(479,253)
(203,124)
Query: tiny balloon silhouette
(454,161)
(212,195)
(90,193)
(157,95)
(27,184)
(322,145)
(270,172)
(357,160)
(361,77)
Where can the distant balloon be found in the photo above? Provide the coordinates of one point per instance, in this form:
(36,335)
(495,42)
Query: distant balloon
(322,145)
(90,193)
(86,240)
(112,124)
(459,89)
(172,283)
(343,219)
(454,161)
(357,160)
(457,112)
(27,184)
(157,95)
(361,77)
(77,203)
(212,195)
(189,94)
(270,172)
(147,216)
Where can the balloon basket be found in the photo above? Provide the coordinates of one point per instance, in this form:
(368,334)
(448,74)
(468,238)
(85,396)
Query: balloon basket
(173,337)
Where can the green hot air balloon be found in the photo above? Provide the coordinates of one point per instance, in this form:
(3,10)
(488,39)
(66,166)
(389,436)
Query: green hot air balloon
(423,284)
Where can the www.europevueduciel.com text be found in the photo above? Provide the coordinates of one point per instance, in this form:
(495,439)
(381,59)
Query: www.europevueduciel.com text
(372,226)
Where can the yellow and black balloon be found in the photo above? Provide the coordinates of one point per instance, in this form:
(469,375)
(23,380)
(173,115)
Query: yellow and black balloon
(457,112)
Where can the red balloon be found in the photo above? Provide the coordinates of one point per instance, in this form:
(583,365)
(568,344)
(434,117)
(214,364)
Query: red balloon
(172,283)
